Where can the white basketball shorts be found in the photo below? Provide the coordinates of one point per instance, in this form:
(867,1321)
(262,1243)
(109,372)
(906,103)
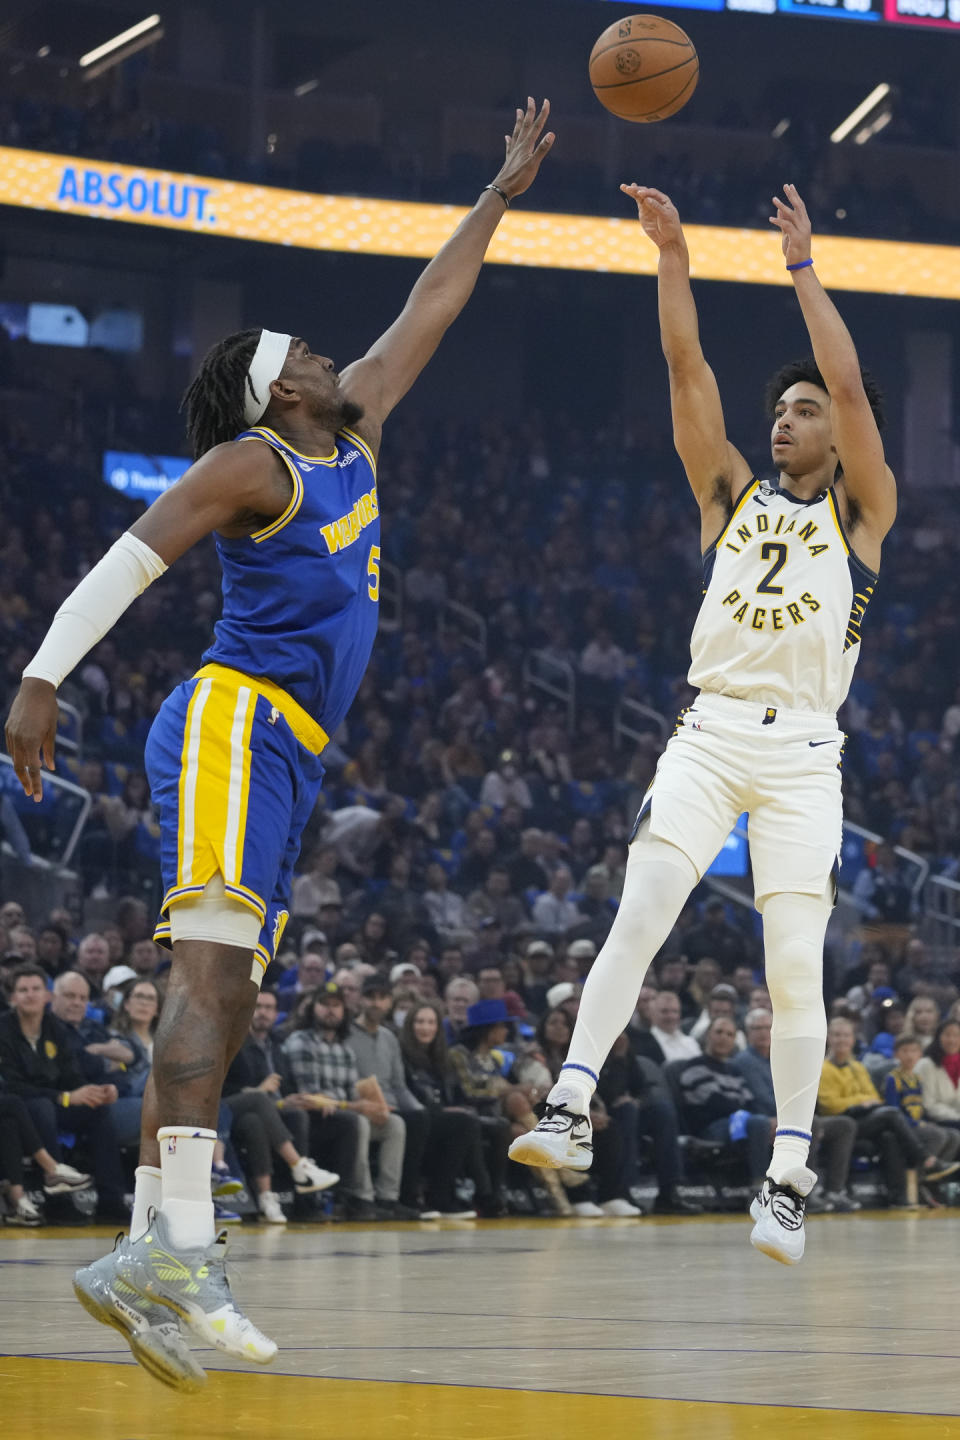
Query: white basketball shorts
(780,766)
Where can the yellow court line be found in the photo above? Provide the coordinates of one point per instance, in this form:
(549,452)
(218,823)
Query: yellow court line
(72,185)
(73,1399)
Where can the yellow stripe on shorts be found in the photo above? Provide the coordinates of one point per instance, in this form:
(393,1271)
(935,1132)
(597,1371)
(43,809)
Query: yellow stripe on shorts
(189,776)
(238,790)
(215,790)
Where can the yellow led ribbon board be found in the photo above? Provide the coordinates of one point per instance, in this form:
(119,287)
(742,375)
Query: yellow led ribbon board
(68,185)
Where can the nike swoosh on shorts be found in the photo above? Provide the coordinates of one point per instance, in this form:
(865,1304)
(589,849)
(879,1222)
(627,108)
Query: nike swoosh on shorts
(814,743)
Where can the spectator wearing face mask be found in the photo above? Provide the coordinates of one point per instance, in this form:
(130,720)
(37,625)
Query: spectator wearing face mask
(505,785)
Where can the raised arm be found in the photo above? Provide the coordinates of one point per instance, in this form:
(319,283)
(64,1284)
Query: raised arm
(223,491)
(867,478)
(384,375)
(716,470)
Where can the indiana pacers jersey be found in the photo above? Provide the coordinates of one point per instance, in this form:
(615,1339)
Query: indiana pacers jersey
(300,596)
(783,601)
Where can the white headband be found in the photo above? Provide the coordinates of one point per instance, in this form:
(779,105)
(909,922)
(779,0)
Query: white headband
(268,360)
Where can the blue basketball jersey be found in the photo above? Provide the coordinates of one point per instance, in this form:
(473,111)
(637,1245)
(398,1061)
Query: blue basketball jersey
(300,596)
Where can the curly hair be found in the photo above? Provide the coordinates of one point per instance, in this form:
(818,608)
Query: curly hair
(214,399)
(807,369)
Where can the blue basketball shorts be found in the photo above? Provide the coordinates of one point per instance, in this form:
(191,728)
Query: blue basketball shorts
(234,771)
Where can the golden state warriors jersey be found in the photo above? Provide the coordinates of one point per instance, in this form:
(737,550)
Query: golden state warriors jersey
(301,596)
(784,597)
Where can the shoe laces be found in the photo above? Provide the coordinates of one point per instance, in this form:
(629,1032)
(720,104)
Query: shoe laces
(786,1206)
(558,1120)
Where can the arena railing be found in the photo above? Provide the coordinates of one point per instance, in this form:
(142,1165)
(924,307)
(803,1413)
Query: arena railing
(391,596)
(553,677)
(80,800)
(919,867)
(634,721)
(69,728)
(469,625)
(941,912)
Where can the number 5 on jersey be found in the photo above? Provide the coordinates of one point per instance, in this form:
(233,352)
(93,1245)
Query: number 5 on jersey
(373,572)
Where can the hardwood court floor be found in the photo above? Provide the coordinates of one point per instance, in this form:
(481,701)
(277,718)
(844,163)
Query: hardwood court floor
(665,1330)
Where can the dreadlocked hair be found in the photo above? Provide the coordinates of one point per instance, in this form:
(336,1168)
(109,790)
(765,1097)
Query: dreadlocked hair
(806,369)
(214,401)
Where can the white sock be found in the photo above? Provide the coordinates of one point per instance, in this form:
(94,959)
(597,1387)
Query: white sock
(793,931)
(659,878)
(147,1196)
(186,1157)
(298,1172)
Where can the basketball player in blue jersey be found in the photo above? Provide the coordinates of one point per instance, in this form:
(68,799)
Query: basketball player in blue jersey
(285,478)
(789,567)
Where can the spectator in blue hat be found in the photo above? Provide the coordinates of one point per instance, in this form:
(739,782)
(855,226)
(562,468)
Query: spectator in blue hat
(479,1065)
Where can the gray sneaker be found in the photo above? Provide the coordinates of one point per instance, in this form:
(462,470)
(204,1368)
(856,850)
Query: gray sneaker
(194,1284)
(152,1333)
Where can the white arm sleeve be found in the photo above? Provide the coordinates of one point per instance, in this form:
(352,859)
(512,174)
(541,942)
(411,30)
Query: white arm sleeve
(94,607)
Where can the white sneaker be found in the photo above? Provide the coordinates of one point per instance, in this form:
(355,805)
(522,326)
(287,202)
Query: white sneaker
(586,1210)
(65,1180)
(308,1177)
(778,1214)
(25,1214)
(620,1209)
(563,1138)
(270,1209)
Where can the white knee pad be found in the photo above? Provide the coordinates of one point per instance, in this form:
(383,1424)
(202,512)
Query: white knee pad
(216,916)
(648,849)
(793,930)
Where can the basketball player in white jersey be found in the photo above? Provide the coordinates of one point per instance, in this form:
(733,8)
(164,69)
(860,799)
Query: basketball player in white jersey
(790,565)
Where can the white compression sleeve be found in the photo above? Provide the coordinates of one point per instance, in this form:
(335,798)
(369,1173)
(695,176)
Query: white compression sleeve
(659,879)
(793,930)
(94,607)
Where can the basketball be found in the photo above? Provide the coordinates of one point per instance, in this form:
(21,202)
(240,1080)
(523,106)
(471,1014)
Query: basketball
(644,68)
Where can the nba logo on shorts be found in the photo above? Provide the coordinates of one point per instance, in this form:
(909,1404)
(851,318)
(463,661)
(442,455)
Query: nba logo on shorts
(171,1144)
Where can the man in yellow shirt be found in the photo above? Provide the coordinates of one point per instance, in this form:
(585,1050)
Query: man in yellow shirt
(846,1089)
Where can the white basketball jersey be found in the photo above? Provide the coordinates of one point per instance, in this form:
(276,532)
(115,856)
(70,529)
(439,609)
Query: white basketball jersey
(783,601)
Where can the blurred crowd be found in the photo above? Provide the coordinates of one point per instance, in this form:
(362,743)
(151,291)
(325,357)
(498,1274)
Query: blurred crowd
(124,132)
(466,860)
(576,546)
(401,1041)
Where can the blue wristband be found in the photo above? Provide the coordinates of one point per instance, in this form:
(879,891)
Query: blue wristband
(801,264)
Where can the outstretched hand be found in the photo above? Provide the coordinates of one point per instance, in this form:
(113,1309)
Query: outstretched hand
(526,149)
(31,733)
(793,222)
(658,214)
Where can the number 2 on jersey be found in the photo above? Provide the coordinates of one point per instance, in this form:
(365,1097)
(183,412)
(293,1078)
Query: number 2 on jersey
(772,548)
(373,572)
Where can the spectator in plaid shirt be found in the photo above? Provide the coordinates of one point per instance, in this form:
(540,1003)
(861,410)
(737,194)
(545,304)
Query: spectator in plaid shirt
(320,1062)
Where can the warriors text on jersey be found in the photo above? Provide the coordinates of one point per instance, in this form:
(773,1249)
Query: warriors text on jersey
(300,597)
(783,600)
(233,756)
